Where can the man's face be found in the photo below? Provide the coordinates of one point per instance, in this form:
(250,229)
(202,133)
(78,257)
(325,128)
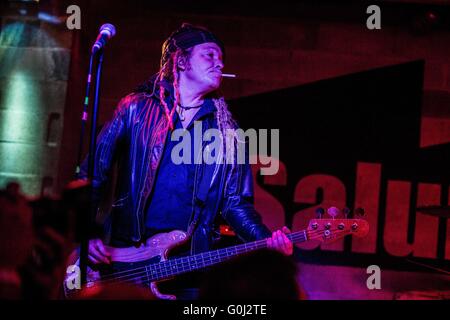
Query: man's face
(204,70)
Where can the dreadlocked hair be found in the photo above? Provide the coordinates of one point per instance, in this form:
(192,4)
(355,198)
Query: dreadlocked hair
(169,72)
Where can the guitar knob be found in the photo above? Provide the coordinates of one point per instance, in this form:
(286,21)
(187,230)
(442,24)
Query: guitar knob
(320,212)
(333,212)
(360,212)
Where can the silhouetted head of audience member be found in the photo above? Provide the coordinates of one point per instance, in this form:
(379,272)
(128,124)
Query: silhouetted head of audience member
(16,232)
(260,275)
(12,191)
(16,238)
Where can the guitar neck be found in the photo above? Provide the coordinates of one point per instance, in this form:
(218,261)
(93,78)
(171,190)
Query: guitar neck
(173,267)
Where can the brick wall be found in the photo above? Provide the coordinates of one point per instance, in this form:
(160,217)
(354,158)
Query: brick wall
(34,61)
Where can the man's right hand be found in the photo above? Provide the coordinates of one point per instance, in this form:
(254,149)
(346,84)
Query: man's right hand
(97,253)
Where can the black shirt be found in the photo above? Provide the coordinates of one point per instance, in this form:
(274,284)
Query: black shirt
(171,201)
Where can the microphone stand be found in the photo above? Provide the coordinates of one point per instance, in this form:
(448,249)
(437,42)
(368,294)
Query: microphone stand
(88,218)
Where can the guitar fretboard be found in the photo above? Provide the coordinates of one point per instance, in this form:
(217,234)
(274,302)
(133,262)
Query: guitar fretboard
(173,267)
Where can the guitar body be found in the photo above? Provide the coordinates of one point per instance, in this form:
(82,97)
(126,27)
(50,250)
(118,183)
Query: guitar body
(158,245)
(156,249)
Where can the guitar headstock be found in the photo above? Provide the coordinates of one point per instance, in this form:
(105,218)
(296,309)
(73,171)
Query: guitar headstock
(328,230)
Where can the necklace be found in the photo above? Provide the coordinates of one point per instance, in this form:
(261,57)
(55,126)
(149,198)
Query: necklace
(181,110)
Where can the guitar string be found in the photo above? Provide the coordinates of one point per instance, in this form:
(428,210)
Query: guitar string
(187,260)
(145,279)
(167,272)
(183,262)
(167,267)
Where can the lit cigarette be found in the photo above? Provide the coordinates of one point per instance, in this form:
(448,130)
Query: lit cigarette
(228,75)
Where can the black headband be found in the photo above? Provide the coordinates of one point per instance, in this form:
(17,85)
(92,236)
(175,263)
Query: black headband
(186,37)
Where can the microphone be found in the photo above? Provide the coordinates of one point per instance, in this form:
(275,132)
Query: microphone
(107,31)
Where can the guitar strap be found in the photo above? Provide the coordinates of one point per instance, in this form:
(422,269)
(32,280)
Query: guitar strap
(200,197)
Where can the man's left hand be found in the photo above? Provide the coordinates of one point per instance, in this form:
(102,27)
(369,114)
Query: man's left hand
(280,242)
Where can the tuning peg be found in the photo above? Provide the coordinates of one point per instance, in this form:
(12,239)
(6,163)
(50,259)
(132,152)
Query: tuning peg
(320,212)
(346,212)
(360,212)
(333,211)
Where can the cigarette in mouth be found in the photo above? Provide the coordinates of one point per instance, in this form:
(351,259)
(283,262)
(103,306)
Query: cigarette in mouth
(228,75)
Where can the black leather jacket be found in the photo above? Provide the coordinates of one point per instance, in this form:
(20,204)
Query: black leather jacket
(135,138)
